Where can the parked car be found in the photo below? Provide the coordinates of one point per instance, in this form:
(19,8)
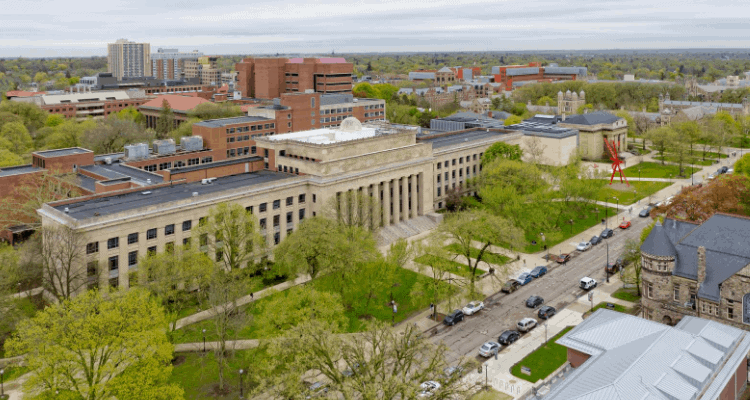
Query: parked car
(587,283)
(316,389)
(561,259)
(511,286)
(526,324)
(457,369)
(428,388)
(711,176)
(645,212)
(583,246)
(607,233)
(473,307)
(615,266)
(723,170)
(669,200)
(539,271)
(534,301)
(595,240)
(524,278)
(730,171)
(453,318)
(508,337)
(488,349)
(625,225)
(546,312)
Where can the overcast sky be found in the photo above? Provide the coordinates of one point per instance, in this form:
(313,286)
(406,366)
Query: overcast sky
(35,28)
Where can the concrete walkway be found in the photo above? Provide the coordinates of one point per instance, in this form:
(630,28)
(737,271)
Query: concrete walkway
(230,344)
(207,314)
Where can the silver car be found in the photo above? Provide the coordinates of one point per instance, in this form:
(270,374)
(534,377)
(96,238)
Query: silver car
(583,246)
(489,349)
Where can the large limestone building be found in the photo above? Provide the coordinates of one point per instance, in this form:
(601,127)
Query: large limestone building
(593,128)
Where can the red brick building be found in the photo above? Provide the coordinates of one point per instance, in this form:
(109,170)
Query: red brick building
(84,105)
(180,105)
(512,76)
(268,78)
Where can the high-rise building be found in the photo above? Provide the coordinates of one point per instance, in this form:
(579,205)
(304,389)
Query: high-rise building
(204,68)
(268,78)
(129,59)
(170,63)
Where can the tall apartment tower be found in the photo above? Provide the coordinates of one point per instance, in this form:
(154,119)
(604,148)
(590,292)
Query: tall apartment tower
(128,59)
(170,63)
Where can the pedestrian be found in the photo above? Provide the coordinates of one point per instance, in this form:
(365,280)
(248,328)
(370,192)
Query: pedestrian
(432,309)
(251,296)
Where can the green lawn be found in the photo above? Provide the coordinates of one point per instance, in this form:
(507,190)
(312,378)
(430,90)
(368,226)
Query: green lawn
(544,360)
(490,394)
(656,170)
(630,194)
(492,258)
(196,373)
(12,373)
(695,161)
(618,308)
(451,266)
(379,308)
(630,295)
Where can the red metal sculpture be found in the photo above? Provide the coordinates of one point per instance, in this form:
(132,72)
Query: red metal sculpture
(616,162)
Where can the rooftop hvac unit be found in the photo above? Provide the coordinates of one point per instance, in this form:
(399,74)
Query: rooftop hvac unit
(165,146)
(191,143)
(136,151)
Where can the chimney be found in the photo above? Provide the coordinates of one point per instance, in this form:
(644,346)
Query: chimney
(585,110)
(701,264)
(489,114)
(563,117)
(644,109)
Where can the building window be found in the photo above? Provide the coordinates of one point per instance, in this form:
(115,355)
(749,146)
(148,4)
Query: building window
(132,258)
(151,234)
(649,290)
(314,197)
(186,242)
(312,122)
(730,309)
(276,221)
(92,248)
(649,314)
(276,238)
(439,165)
(262,207)
(290,200)
(133,238)
(114,263)
(219,255)
(113,243)
(301,214)
(301,199)
(676,293)
(169,230)
(262,223)
(277,204)
(92,268)
(187,225)
(289,217)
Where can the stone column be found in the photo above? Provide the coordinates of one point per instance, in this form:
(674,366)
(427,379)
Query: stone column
(396,201)
(387,198)
(405,198)
(414,196)
(420,194)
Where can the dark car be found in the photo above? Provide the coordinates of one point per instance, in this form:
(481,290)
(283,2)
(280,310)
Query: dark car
(511,286)
(454,317)
(546,312)
(508,337)
(595,240)
(539,271)
(724,169)
(534,301)
(645,212)
(607,233)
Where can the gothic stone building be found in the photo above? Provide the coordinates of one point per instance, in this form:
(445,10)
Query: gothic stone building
(702,270)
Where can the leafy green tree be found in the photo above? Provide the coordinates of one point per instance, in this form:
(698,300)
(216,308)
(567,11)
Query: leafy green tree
(504,150)
(68,134)
(742,166)
(232,234)
(9,158)
(512,120)
(585,107)
(97,347)
(131,114)
(165,121)
(545,100)
(440,285)
(18,136)
(31,114)
(629,119)
(111,134)
(661,138)
(215,110)
(185,129)
(54,120)
(354,209)
(298,305)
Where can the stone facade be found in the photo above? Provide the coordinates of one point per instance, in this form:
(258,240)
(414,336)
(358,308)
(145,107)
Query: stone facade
(569,102)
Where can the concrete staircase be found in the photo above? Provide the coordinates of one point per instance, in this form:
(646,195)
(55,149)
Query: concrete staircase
(408,228)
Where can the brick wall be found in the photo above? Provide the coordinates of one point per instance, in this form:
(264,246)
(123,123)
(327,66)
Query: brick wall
(576,358)
(304,115)
(225,170)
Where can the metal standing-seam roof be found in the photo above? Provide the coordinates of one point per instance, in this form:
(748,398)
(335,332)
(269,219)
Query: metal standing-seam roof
(658,244)
(594,118)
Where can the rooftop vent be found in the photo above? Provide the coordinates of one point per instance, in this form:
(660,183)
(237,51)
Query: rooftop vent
(146,192)
(67,210)
(191,143)
(108,160)
(195,194)
(148,181)
(136,151)
(165,146)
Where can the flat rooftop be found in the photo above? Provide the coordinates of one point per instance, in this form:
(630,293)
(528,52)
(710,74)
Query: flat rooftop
(134,200)
(19,169)
(542,129)
(326,135)
(61,152)
(450,140)
(215,164)
(117,171)
(218,123)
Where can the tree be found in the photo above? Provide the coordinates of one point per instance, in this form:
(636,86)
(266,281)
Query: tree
(504,150)
(512,120)
(680,150)
(632,255)
(467,227)
(32,115)
(131,114)
(742,166)
(660,139)
(629,119)
(726,193)
(8,158)
(58,253)
(299,305)
(380,363)
(535,149)
(67,134)
(96,348)
(438,287)
(215,110)
(170,275)
(165,121)
(689,132)
(110,135)
(20,206)
(18,136)
(54,120)
(232,234)
(354,208)
(13,273)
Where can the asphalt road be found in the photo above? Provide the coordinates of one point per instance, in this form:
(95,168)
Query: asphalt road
(559,287)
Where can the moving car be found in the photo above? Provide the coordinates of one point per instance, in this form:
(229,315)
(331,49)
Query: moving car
(524,278)
(534,301)
(587,283)
(583,246)
(454,317)
(428,388)
(546,312)
(488,349)
(526,324)
(511,286)
(508,337)
(561,259)
(625,225)
(607,233)
(645,212)
(595,240)
(539,271)
(472,307)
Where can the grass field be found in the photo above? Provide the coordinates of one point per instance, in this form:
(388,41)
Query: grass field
(656,170)
(454,267)
(492,258)
(379,309)
(490,394)
(618,308)
(630,295)
(197,374)
(694,161)
(544,360)
(630,194)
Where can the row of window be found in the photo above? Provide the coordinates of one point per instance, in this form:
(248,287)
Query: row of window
(263,207)
(326,111)
(375,114)
(334,119)
(151,234)
(241,151)
(461,160)
(177,164)
(289,169)
(250,128)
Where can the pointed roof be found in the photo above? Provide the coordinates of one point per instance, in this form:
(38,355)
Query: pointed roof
(658,244)
(445,69)
(176,102)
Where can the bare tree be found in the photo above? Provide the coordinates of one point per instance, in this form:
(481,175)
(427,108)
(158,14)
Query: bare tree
(19,206)
(535,149)
(354,208)
(59,253)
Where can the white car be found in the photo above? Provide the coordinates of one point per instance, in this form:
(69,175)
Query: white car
(669,200)
(428,388)
(583,246)
(473,307)
(489,349)
(730,171)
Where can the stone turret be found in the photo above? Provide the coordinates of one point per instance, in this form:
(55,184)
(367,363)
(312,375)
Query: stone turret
(559,97)
(582,95)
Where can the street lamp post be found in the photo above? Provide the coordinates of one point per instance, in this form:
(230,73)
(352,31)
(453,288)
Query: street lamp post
(606,266)
(639,174)
(204,340)
(2,387)
(242,371)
